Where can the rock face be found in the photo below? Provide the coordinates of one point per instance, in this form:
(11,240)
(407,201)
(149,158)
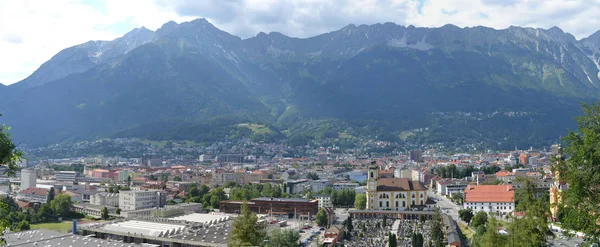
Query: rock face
(193,81)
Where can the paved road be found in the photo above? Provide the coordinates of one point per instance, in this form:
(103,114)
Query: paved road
(568,242)
(445,205)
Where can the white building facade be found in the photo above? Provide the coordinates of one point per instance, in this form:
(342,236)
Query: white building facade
(324,201)
(142,199)
(28,179)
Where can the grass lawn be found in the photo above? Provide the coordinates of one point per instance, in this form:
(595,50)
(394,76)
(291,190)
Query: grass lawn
(466,231)
(64,226)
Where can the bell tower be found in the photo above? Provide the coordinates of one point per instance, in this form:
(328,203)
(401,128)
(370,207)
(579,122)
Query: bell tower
(372,185)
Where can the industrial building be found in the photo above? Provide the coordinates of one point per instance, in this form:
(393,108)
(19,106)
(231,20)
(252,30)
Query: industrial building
(42,237)
(274,206)
(183,231)
(142,199)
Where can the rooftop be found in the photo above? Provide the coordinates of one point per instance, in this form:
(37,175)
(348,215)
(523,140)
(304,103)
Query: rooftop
(36,191)
(42,237)
(398,184)
(281,199)
(155,229)
(489,193)
(169,230)
(203,218)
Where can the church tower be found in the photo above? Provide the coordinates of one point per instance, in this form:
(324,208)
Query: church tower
(372,185)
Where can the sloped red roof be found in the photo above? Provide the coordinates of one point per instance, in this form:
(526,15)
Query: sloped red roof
(489,193)
(36,191)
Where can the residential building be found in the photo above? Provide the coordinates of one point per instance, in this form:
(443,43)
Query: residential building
(124,176)
(524,159)
(324,200)
(452,186)
(402,173)
(33,195)
(142,199)
(204,157)
(386,173)
(230,158)
(105,198)
(296,186)
(70,176)
(416,155)
(393,193)
(345,186)
(93,210)
(319,185)
(498,199)
(415,174)
(334,232)
(28,179)
(221,177)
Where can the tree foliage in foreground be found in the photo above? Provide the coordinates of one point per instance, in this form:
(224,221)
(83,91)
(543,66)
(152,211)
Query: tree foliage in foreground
(360,202)
(283,238)
(322,218)
(9,154)
(581,171)
(246,231)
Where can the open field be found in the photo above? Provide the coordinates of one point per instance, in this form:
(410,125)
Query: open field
(466,230)
(64,226)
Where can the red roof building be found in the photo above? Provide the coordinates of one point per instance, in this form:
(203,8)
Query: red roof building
(499,199)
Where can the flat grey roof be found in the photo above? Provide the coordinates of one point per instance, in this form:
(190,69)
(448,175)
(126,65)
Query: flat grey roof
(214,235)
(43,237)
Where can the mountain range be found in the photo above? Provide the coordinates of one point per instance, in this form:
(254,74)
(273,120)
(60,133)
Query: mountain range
(191,81)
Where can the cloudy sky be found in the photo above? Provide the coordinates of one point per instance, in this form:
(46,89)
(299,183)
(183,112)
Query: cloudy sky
(31,32)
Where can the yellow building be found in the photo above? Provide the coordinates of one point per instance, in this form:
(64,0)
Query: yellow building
(393,193)
(555,191)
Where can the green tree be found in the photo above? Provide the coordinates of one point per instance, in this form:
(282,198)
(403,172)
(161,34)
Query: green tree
(61,205)
(215,201)
(312,176)
(480,218)
(283,238)
(465,214)
(23,225)
(392,242)
(435,228)
(349,225)
(9,154)
(118,211)
(457,198)
(531,229)
(580,202)
(51,195)
(246,231)
(322,218)
(384,224)
(177,178)
(417,240)
(491,237)
(104,214)
(3,225)
(360,201)
(309,195)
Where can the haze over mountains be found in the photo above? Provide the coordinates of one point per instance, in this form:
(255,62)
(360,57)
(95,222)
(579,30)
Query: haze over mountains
(516,86)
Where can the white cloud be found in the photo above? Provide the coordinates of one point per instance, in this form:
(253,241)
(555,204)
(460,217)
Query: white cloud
(32,31)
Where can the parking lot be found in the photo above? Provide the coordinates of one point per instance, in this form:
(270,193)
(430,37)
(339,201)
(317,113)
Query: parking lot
(308,229)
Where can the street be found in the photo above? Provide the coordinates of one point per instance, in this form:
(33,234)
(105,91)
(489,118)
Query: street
(446,206)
